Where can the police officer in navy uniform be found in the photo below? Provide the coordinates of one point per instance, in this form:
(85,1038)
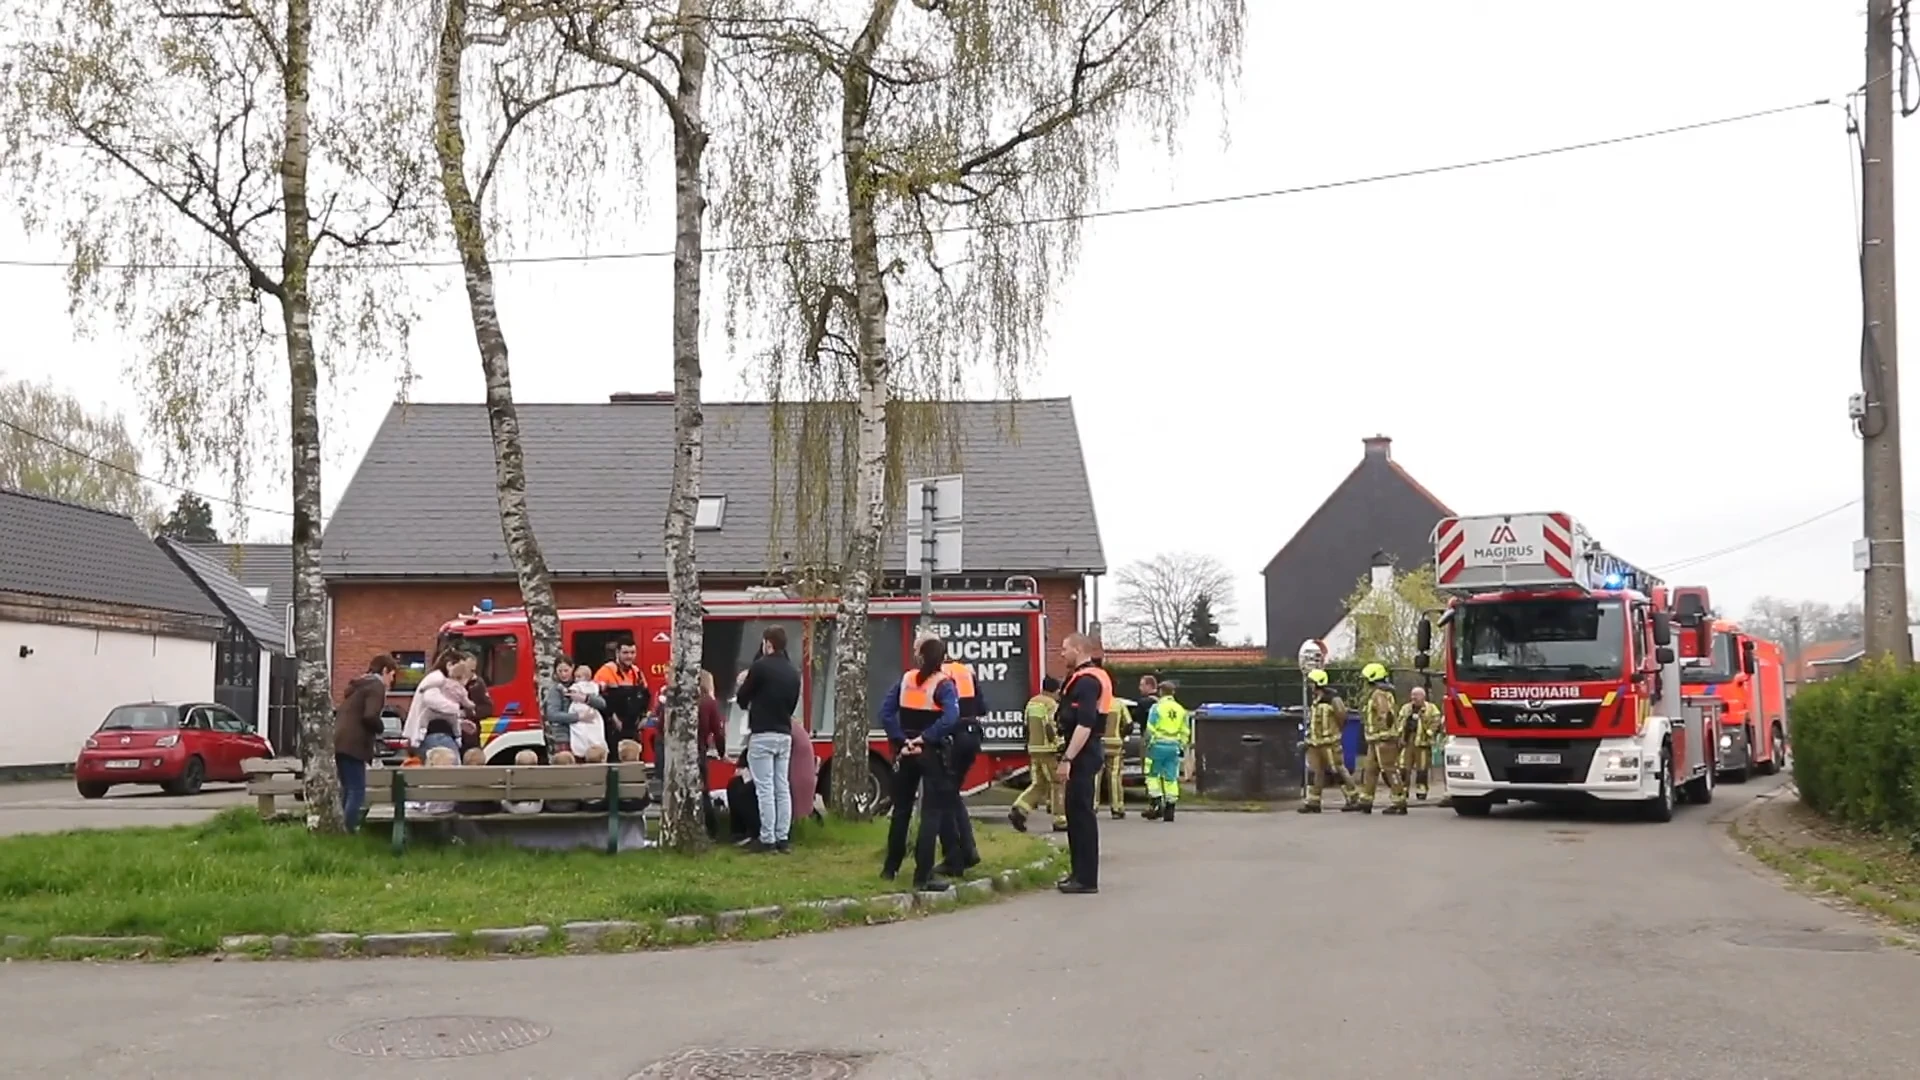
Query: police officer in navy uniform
(1086,701)
(921,714)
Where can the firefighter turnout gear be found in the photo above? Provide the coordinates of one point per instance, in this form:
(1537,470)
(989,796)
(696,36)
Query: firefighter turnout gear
(1325,722)
(1168,737)
(1382,723)
(1113,746)
(1043,758)
(1420,724)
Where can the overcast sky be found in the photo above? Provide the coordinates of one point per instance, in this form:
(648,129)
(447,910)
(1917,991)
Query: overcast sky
(1658,337)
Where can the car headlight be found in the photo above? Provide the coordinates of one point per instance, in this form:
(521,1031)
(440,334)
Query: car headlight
(1623,761)
(1726,742)
(1459,759)
(167,740)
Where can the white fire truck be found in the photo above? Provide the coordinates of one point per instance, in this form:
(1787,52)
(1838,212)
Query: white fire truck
(1561,678)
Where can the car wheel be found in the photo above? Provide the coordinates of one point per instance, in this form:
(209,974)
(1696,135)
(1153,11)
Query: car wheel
(191,778)
(93,790)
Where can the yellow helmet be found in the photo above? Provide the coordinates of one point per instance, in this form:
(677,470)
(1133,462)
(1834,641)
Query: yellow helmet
(1373,673)
(1317,677)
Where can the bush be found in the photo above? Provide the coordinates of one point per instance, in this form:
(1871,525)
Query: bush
(1856,747)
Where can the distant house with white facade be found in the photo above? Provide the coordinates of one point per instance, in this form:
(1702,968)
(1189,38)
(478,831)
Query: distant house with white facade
(92,615)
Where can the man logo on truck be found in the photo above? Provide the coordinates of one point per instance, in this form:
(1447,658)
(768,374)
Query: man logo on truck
(1503,534)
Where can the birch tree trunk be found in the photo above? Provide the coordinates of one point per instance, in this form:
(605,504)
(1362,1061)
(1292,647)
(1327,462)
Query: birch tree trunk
(851,722)
(683,826)
(509,458)
(321,781)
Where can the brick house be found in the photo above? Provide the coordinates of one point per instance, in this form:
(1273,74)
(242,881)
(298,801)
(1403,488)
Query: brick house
(415,539)
(1379,515)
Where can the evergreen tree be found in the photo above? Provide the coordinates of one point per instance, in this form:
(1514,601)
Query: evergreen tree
(190,520)
(1203,631)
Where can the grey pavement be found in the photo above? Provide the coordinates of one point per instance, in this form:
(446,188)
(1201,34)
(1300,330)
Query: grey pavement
(43,806)
(1529,945)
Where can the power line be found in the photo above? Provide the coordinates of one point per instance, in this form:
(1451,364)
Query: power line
(1056,219)
(1695,560)
(105,464)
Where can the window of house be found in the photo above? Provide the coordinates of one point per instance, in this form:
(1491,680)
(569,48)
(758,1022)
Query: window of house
(712,512)
(413,668)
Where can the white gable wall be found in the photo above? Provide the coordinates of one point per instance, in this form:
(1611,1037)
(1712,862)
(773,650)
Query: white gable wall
(58,694)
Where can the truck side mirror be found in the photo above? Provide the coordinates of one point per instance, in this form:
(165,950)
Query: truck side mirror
(1662,631)
(1663,655)
(1423,638)
(1420,659)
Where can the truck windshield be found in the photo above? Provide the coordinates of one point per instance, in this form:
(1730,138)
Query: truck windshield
(1716,668)
(1539,639)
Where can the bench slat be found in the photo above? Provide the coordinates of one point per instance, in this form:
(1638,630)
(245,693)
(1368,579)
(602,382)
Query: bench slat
(279,785)
(254,766)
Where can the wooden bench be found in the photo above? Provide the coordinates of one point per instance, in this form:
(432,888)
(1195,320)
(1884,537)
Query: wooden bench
(268,779)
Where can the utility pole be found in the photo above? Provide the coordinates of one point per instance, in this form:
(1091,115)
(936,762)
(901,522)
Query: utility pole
(1886,570)
(1793,655)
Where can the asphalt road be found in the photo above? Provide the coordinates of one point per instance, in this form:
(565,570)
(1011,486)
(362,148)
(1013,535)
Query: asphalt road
(1530,945)
(54,805)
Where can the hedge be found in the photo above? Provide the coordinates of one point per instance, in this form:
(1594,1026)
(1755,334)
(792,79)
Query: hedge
(1856,747)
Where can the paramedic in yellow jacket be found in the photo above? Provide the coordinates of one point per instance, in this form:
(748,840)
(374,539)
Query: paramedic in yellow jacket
(1381,720)
(1325,723)
(1421,725)
(1167,740)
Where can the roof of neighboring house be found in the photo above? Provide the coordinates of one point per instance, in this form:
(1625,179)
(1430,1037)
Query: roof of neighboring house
(269,630)
(257,566)
(1820,655)
(64,551)
(1379,508)
(423,502)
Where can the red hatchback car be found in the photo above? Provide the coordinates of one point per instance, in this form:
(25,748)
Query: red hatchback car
(178,746)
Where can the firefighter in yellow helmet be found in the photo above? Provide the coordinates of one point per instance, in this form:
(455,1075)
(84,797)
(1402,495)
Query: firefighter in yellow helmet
(1381,721)
(1324,765)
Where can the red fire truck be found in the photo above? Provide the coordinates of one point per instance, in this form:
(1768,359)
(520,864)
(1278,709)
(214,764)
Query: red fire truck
(1562,681)
(1000,632)
(1745,674)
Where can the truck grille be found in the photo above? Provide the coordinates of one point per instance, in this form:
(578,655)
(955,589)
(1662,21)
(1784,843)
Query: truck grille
(1519,716)
(1576,757)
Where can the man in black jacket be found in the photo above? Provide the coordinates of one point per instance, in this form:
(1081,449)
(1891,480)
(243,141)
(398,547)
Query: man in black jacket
(770,692)
(1085,702)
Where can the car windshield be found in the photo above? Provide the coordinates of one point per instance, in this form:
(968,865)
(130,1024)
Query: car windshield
(141,718)
(1539,640)
(1717,668)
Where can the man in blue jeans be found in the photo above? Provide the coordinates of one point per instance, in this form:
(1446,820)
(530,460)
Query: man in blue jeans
(356,724)
(770,692)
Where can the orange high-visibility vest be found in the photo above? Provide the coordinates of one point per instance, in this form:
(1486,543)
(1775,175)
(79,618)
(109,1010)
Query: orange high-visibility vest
(1097,674)
(962,677)
(917,696)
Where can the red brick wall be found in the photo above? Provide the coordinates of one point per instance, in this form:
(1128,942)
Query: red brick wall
(385,616)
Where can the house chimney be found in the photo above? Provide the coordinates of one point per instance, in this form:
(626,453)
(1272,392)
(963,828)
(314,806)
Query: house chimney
(628,397)
(1379,446)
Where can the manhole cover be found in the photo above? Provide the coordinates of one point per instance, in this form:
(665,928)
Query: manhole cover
(1810,940)
(715,1064)
(440,1037)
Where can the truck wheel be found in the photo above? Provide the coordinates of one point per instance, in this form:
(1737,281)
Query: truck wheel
(1700,788)
(1660,807)
(1776,752)
(879,795)
(1467,806)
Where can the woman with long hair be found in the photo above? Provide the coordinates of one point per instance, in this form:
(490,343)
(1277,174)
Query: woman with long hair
(920,715)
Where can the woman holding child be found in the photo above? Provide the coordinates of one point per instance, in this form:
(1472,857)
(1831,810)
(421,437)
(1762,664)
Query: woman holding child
(440,704)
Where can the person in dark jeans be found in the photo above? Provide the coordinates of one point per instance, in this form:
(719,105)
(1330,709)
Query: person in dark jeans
(920,714)
(356,725)
(957,846)
(1085,702)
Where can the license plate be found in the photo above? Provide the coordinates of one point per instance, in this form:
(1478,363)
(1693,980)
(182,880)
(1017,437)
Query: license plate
(124,763)
(1536,759)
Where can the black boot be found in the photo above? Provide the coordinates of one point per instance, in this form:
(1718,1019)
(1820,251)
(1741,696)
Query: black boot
(1353,807)
(1017,818)
(1308,808)
(1152,812)
(1167,814)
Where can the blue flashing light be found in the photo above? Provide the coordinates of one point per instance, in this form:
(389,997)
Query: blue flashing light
(1614,581)
(486,605)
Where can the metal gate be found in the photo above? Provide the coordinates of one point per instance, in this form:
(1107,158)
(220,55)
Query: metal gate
(236,673)
(283,713)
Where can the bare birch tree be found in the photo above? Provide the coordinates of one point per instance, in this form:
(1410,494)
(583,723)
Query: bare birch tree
(519,82)
(969,136)
(174,147)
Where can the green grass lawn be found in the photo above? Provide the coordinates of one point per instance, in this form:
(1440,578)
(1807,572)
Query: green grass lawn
(193,885)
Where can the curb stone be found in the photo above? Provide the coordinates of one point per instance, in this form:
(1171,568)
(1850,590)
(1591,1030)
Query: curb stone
(589,934)
(726,922)
(1007,881)
(435,941)
(890,905)
(978,887)
(242,942)
(935,899)
(83,941)
(332,944)
(687,924)
(503,940)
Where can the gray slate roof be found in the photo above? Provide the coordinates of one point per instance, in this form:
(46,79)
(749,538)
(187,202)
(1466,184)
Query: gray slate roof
(63,551)
(257,566)
(1379,509)
(422,503)
(268,629)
